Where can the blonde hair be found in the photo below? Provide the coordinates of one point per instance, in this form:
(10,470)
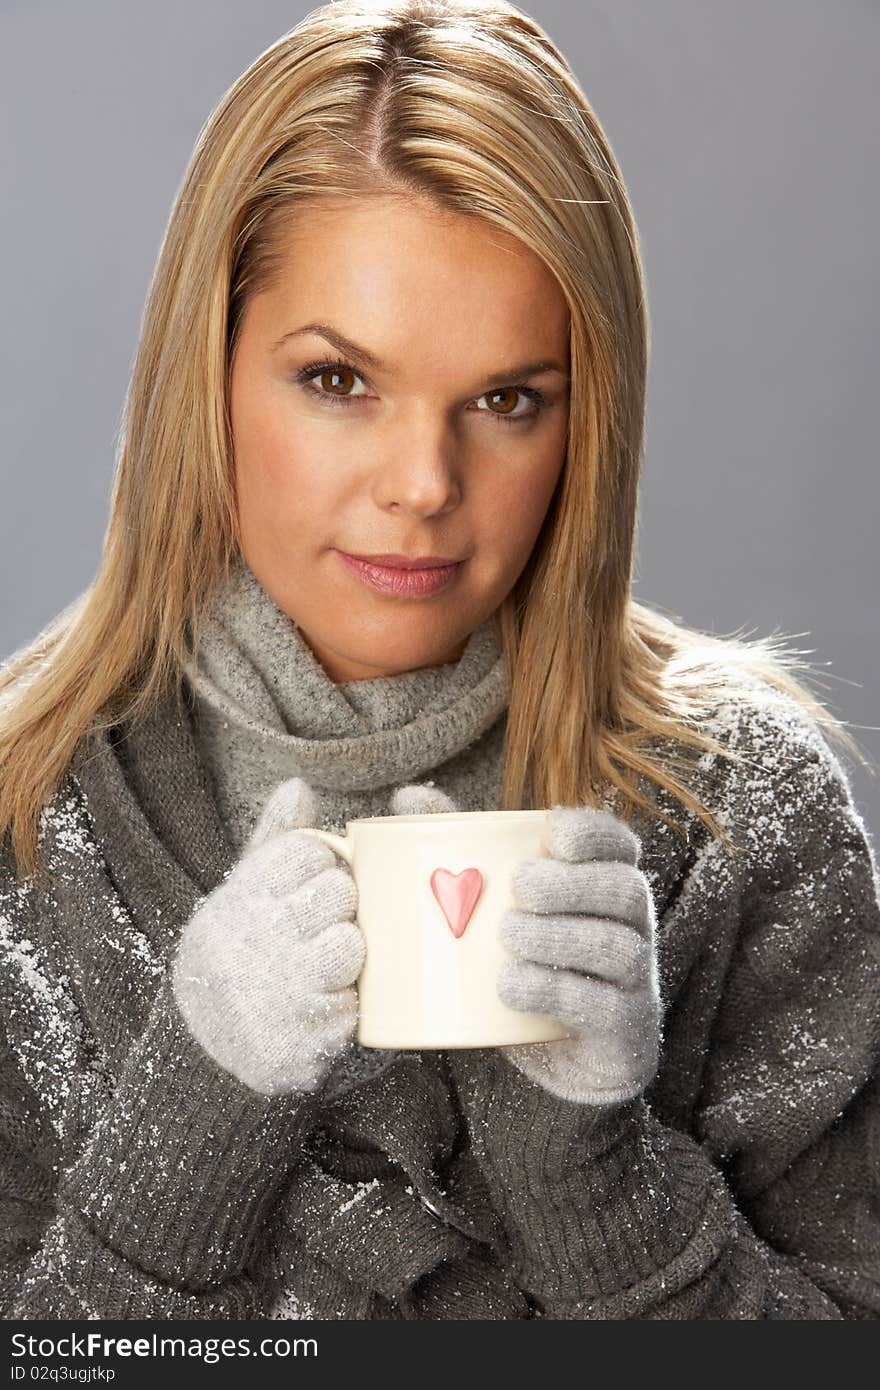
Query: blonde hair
(471,106)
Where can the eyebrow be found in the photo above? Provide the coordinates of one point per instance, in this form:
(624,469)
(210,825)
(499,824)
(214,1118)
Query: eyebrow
(367,359)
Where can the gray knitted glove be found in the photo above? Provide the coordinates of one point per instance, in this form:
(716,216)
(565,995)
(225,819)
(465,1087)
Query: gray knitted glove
(265,968)
(582,936)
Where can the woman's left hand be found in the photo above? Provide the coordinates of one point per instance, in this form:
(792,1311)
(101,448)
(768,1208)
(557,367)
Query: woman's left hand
(582,940)
(582,937)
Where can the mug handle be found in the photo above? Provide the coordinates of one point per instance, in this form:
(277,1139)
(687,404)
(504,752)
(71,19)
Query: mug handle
(339,843)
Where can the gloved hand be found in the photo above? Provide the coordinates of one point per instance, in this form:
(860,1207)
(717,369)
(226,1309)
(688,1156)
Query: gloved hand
(265,968)
(582,937)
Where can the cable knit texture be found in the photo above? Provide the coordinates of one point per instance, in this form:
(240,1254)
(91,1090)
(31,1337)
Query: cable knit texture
(139,1178)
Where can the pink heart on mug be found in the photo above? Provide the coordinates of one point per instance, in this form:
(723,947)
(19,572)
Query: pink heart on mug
(457,895)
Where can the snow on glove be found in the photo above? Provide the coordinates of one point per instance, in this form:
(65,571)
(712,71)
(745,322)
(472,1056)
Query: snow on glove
(265,968)
(582,936)
(421,799)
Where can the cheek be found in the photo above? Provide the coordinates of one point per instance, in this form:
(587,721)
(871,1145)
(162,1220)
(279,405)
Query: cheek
(287,474)
(515,507)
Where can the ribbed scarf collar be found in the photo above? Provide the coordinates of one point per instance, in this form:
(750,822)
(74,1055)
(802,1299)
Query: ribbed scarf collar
(259,686)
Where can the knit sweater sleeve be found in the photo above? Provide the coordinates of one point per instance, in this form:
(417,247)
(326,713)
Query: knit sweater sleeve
(157,1215)
(768,1204)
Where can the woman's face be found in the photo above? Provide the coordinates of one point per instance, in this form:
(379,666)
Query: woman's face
(402,389)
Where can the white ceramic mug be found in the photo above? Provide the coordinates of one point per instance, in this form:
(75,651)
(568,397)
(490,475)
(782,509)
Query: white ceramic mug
(432,890)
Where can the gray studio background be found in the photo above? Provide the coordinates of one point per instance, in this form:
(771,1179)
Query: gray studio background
(746,135)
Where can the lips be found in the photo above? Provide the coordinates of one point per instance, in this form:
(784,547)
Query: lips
(403,580)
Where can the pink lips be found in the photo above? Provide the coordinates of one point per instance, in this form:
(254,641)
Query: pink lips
(407,583)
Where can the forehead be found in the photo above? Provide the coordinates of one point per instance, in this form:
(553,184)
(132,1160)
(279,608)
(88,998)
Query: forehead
(384,269)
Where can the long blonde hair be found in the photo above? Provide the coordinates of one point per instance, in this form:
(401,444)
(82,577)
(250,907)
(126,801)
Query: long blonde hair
(472,106)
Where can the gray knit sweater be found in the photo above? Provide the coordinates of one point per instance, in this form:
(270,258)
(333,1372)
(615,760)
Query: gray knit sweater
(138,1179)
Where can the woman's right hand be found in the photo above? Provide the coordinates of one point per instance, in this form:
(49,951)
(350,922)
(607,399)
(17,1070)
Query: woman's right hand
(265,968)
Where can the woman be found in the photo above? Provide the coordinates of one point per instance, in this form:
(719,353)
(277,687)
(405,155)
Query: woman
(399,311)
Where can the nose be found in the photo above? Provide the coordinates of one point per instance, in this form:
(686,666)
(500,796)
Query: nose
(417,472)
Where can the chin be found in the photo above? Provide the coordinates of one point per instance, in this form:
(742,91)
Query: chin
(394,657)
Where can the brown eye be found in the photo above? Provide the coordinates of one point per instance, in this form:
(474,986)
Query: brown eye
(507,397)
(337,381)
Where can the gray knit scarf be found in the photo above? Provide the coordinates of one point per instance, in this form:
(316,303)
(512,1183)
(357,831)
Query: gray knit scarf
(265,710)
